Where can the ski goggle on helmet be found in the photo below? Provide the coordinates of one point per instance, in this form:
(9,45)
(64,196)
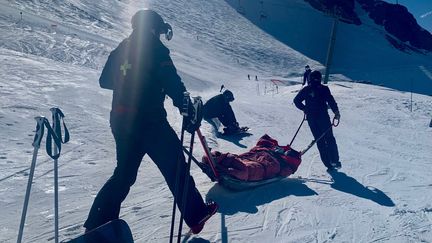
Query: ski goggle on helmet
(150,19)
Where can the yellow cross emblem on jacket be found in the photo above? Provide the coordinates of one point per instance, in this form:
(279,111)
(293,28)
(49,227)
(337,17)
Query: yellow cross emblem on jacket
(312,94)
(125,66)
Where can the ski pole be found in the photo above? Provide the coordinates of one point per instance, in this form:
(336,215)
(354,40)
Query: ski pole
(301,124)
(334,124)
(176,188)
(57,115)
(40,120)
(56,216)
(195,121)
(184,113)
(185,187)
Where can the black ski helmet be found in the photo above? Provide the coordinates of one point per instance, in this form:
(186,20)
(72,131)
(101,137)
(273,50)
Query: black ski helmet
(150,19)
(315,77)
(307,67)
(229,96)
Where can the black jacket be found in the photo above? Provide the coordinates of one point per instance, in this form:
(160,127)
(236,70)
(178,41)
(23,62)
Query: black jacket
(306,76)
(217,106)
(140,72)
(317,98)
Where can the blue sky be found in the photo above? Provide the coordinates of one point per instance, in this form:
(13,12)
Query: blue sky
(421,9)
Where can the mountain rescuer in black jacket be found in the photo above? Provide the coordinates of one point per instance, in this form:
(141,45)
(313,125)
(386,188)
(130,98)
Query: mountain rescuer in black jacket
(219,107)
(317,98)
(140,72)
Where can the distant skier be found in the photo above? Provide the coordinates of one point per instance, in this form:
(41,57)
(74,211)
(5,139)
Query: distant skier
(140,72)
(306,75)
(219,107)
(317,98)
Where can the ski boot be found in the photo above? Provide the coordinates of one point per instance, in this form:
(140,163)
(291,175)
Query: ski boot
(212,208)
(336,165)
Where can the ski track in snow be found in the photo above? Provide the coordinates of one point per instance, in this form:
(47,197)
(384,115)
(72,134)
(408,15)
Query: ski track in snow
(382,193)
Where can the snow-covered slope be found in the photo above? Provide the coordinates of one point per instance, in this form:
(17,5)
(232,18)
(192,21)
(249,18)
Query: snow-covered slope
(362,52)
(382,194)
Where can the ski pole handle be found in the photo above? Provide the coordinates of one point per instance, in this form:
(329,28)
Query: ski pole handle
(57,116)
(39,131)
(186,100)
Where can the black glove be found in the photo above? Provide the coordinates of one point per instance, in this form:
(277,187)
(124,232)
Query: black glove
(337,115)
(192,121)
(234,126)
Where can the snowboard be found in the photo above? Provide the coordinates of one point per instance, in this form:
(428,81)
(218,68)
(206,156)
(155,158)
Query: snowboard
(112,232)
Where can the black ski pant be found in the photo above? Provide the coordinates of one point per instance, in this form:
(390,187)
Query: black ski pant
(327,146)
(161,143)
(226,118)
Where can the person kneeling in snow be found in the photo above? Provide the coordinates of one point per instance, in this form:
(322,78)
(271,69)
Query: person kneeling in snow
(219,107)
(316,97)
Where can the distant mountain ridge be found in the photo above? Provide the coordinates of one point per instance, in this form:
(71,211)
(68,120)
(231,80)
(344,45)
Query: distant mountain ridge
(398,21)
(395,18)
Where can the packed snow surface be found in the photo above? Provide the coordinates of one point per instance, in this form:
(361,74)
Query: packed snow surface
(53,57)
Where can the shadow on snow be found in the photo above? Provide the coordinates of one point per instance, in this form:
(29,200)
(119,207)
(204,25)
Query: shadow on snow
(231,202)
(347,184)
(235,138)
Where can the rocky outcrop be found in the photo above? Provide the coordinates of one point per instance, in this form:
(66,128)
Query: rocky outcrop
(395,18)
(398,22)
(343,8)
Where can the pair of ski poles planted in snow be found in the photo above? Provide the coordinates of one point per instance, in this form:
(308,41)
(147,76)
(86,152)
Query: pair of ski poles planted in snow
(54,133)
(195,121)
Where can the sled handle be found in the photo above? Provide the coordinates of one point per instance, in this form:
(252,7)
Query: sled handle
(208,153)
(335,123)
(301,124)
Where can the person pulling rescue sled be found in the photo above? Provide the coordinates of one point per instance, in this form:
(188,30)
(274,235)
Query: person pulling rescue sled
(140,72)
(219,107)
(316,97)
